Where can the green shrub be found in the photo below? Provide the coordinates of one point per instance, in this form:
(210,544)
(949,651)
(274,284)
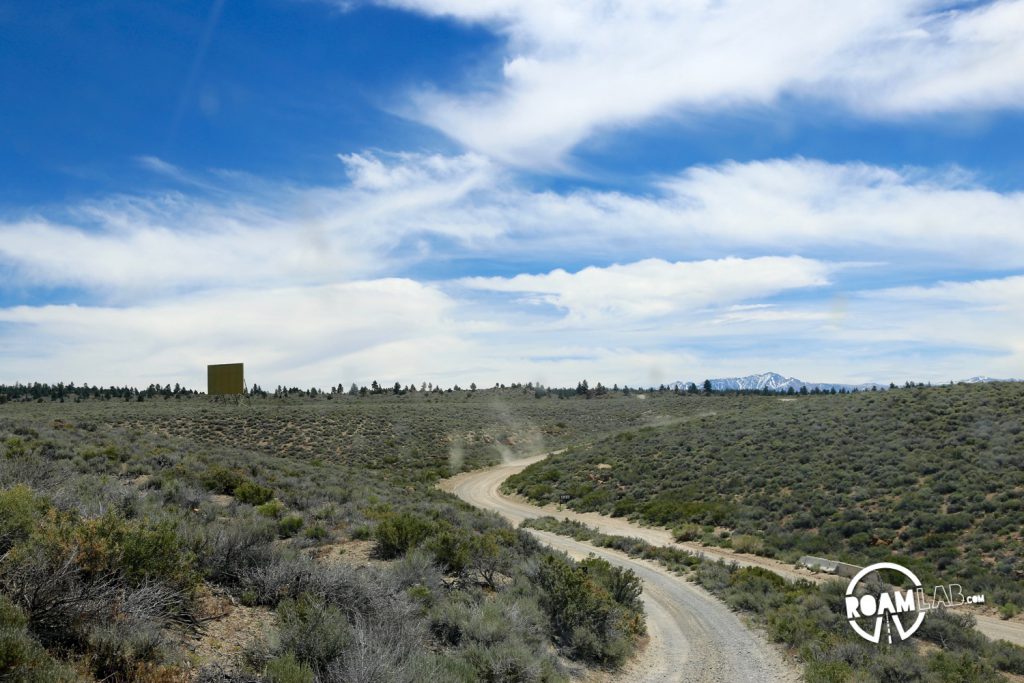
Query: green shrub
(121,650)
(456,670)
(959,667)
(21,657)
(420,594)
(952,630)
(252,493)
(489,555)
(623,585)
(539,491)
(14,447)
(687,532)
(138,550)
(745,543)
(827,672)
(1007,657)
(135,551)
(20,510)
(622,507)
(289,526)
(10,615)
(451,551)
(220,479)
(228,549)
(673,507)
(313,630)
(272,509)
(397,533)
(584,616)
(790,624)
(504,661)
(316,532)
(287,669)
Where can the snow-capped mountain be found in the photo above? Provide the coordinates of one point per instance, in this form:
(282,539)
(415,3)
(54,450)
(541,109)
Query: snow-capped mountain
(983,380)
(775,382)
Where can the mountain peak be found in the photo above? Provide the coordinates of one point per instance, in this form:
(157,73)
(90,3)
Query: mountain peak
(775,382)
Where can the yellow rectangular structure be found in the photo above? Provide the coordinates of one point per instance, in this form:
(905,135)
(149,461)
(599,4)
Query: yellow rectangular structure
(227,378)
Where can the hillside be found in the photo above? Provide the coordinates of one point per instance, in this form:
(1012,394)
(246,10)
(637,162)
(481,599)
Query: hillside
(303,538)
(929,477)
(292,540)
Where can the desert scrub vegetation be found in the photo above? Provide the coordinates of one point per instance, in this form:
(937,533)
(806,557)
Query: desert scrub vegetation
(929,477)
(678,560)
(102,589)
(118,520)
(420,436)
(807,619)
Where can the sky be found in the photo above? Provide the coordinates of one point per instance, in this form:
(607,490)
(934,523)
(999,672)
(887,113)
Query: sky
(456,191)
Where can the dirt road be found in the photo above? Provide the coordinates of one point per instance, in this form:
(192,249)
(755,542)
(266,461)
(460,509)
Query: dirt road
(692,633)
(693,636)
(481,489)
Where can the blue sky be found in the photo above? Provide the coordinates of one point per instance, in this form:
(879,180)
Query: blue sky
(456,190)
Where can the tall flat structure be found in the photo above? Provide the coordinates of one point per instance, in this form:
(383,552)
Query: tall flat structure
(225,379)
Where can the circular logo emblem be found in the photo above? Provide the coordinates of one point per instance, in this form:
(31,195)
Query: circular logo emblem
(883,606)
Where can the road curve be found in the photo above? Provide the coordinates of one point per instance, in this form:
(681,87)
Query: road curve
(481,488)
(693,635)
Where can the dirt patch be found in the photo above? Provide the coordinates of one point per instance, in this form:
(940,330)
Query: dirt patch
(228,628)
(353,552)
(638,668)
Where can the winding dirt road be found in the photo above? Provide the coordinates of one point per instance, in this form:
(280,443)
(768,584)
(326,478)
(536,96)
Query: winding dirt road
(693,635)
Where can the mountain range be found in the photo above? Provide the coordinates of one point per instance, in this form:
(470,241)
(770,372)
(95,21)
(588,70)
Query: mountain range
(775,382)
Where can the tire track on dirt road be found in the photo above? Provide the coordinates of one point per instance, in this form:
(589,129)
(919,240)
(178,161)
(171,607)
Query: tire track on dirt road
(693,635)
(482,488)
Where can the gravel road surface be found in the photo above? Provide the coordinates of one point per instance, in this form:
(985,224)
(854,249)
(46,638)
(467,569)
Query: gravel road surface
(693,635)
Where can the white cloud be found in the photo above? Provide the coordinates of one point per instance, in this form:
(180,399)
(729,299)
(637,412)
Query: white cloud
(402,211)
(322,335)
(369,171)
(158,165)
(262,234)
(654,288)
(857,208)
(574,68)
(397,329)
(981,315)
(295,280)
(1002,295)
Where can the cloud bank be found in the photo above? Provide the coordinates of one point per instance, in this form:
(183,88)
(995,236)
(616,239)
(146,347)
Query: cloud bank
(781,264)
(400,212)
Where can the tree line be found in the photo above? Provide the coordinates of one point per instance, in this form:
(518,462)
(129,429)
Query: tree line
(60,392)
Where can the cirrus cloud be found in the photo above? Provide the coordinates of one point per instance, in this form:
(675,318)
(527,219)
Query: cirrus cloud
(401,212)
(653,288)
(572,69)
